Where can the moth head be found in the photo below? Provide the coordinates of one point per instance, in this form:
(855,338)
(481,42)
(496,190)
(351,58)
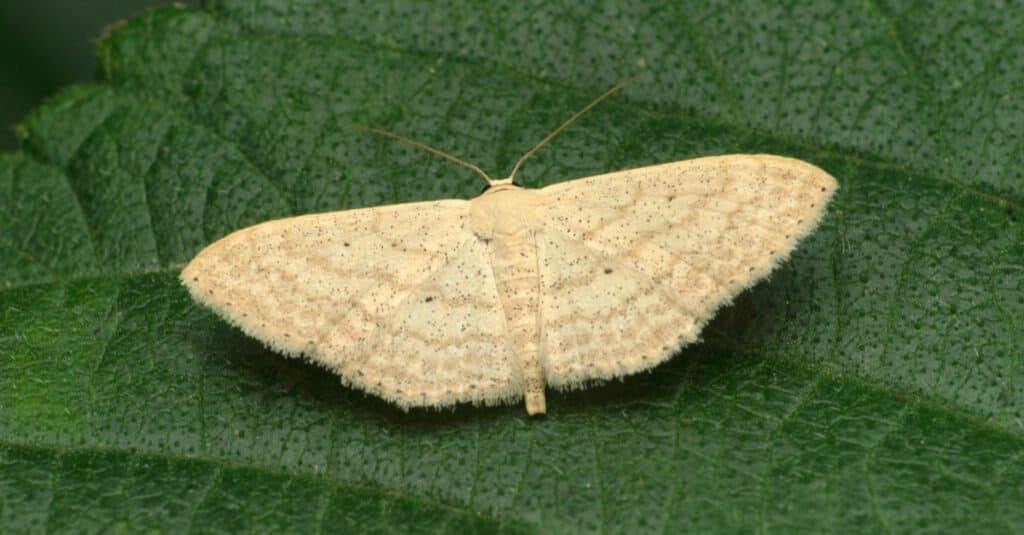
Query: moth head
(491,183)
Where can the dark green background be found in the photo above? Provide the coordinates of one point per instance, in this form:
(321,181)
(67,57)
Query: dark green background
(875,382)
(46,45)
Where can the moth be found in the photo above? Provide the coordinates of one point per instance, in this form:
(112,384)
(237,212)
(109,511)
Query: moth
(495,299)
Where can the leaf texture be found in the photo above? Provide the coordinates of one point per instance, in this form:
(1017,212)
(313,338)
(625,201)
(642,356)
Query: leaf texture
(875,380)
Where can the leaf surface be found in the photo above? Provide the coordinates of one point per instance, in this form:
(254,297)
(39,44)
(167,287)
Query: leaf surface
(875,381)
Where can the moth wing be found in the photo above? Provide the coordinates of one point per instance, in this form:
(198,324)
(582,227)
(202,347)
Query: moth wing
(321,285)
(446,343)
(601,317)
(682,239)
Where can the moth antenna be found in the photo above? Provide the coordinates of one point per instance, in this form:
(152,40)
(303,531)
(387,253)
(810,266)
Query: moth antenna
(568,122)
(425,147)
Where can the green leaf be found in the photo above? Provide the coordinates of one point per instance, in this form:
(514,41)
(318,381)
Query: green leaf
(875,382)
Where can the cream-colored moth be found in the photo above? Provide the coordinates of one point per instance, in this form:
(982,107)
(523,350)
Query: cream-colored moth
(494,299)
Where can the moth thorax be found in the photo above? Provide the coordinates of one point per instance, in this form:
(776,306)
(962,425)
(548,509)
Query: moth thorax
(504,210)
